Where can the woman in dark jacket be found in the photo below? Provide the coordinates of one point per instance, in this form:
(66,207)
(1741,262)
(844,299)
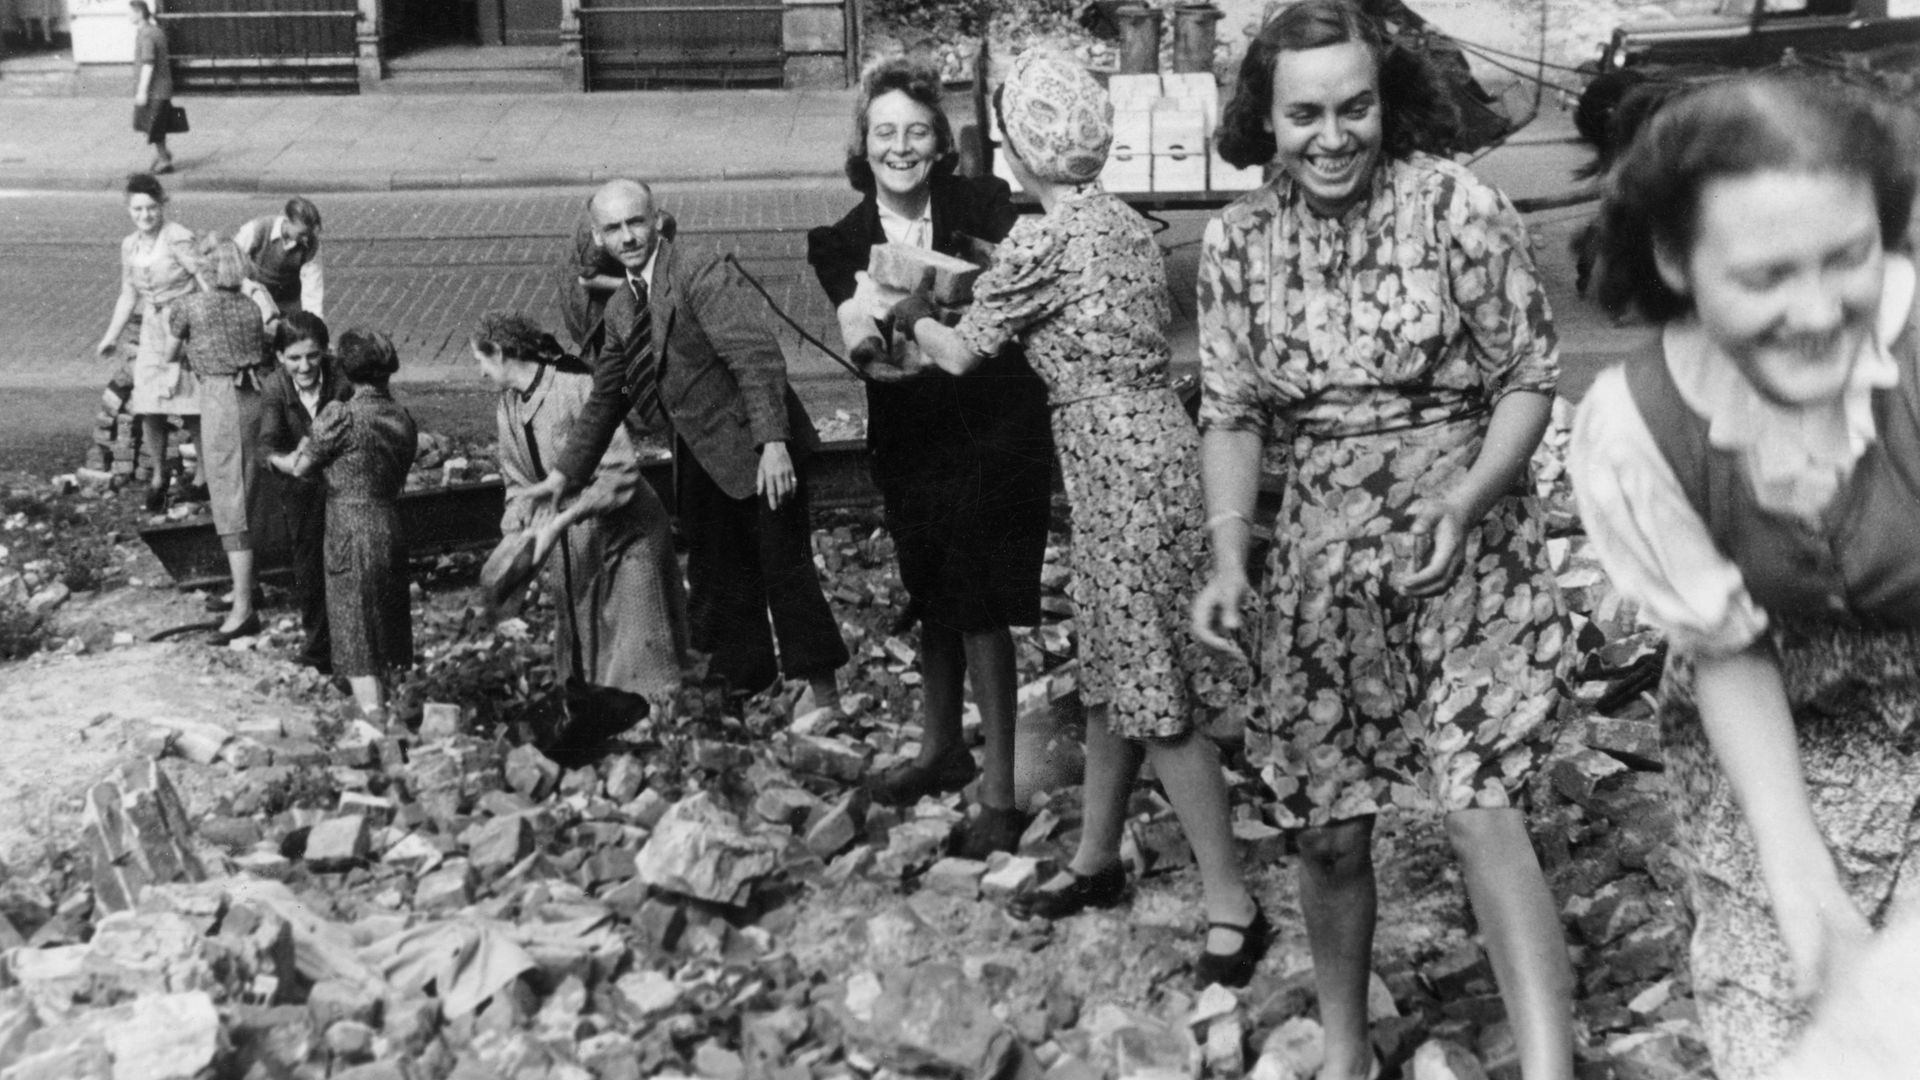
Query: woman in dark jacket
(964,465)
(290,397)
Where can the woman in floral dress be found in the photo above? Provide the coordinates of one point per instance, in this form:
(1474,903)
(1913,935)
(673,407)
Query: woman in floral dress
(1749,482)
(1373,312)
(364,446)
(1084,289)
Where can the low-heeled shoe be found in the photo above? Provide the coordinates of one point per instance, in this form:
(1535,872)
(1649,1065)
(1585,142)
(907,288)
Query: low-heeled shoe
(247,628)
(1236,968)
(994,828)
(904,784)
(1104,888)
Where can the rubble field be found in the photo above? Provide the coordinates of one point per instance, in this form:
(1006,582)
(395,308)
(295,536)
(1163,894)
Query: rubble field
(213,870)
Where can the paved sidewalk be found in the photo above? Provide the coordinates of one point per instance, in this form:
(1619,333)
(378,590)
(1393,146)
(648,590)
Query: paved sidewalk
(398,142)
(374,142)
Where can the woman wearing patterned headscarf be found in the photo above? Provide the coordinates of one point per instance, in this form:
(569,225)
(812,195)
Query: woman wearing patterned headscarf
(1083,289)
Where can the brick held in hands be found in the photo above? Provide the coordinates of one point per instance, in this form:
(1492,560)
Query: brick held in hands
(902,266)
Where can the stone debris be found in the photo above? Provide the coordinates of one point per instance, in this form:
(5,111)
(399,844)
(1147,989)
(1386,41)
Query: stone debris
(717,898)
(698,849)
(137,834)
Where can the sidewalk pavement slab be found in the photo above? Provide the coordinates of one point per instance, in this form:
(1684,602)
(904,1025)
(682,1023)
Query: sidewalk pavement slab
(319,144)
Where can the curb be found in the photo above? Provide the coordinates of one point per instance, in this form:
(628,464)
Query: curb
(276,183)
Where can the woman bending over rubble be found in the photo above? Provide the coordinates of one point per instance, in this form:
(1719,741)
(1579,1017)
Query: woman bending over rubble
(625,625)
(364,447)
(1083,289)
(1374,310)
(1753,483)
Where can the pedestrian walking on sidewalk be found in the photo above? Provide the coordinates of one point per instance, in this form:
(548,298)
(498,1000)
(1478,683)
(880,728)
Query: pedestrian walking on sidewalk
(301,385)
(688,357)
(157,268)
(221,334)
(1377,310)
(1750,484)
(964,465)
(1083,289)
(625,622)
(152,85)
(284,251)
(364,447)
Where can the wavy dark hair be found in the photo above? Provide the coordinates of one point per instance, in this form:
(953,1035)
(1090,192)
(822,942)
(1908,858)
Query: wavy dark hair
(520,338)
(1416,110)
(918,80)
(301,326)
(1733,128)
(146,184)
(367,357)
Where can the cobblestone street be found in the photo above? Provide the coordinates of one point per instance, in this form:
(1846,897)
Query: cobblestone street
(422,266)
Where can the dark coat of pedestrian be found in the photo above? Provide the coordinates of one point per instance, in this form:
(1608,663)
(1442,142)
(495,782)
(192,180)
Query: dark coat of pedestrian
(152,85)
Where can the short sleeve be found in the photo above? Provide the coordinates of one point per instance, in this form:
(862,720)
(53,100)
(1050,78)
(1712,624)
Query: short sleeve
(1230,385)
(332,430)
(144,50)
(1498,291)
(1022,288)
(1649,539)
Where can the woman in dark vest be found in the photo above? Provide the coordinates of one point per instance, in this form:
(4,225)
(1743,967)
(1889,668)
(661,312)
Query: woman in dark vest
(285,251)
(964,464)
(1752,483)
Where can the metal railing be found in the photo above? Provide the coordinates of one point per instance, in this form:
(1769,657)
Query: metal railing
(630,46)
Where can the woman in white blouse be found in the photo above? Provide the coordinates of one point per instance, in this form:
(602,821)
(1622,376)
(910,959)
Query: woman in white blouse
(1753,484)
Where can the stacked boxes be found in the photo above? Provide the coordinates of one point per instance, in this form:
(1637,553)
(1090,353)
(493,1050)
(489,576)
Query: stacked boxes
(1130,161)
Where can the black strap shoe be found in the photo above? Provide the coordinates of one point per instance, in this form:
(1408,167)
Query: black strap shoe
(1104,888)
(1235,969)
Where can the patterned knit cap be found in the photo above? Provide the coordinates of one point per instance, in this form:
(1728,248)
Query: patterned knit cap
(1057,117)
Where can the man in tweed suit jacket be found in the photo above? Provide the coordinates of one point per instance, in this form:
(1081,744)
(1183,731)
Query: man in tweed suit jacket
(687,356)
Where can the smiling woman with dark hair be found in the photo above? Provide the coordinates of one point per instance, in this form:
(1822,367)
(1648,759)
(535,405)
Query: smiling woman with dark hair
(1750,484)
(963,464)
(1375,312)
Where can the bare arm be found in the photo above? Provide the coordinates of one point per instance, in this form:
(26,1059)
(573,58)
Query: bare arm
(122,311)
(1230,472)
(146,80)
(1513,432)
(1743,707)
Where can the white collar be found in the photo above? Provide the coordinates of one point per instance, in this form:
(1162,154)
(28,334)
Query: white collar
(902,229)
(646,272)
(1797,461)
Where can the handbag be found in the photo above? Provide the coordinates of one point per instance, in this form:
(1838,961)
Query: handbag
(177,119)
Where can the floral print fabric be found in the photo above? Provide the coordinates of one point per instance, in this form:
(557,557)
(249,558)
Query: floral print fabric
(1084,288)
(1855,697)
(1369,351)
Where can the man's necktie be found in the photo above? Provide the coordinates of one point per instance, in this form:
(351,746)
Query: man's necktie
(643,374)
